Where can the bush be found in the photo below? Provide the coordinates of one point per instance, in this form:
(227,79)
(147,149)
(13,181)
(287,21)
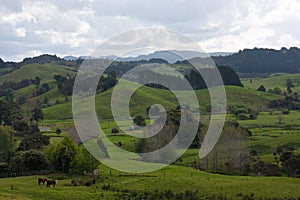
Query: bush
(34,161)
(244,113)
(114,130)
(252,116)
(139,120)
(242,116)
(261,88)
(286,112)
(6,143)
(34,141)
(62,154)
(83,162)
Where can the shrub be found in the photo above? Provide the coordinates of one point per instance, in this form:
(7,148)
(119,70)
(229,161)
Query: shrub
(286,112)
(242,116)
(34,141)
(139,120)
(261,88)
(34,160)
(114,130)
(244,113)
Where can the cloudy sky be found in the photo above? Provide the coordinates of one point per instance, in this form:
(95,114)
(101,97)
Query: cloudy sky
(30,28)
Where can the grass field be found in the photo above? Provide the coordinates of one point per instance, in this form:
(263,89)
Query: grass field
(174,178)
(145,96)
(267,135)
(275,81)
(30,71)
(275,134)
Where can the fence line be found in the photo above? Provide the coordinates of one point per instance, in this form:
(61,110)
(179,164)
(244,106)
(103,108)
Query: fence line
(18,174)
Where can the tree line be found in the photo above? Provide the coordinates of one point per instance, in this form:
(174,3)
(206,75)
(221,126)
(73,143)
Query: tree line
(65,83)
(231,155)
(195,79)
(260,60)
(24,148)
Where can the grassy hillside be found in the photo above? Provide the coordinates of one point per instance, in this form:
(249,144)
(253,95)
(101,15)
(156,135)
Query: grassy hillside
(145,96)
(30,71)
(275,81)
(46,72)
(141,99)
(176,179)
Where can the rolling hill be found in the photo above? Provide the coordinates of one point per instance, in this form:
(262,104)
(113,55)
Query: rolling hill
(274,81)
(44,71)
(146,96)
(143,97)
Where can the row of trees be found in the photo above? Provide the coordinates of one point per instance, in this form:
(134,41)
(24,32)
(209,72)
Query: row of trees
(229,156)
(65,84)
(195,79)
(259,60)
(42,59)
(64,156)
(290,100)
(243,113)
(67,157)
(285,162)
(7,87)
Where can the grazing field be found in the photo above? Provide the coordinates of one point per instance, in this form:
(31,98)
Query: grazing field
(145,96)
(168,181)
(274,81)
(30,71)
(269,130)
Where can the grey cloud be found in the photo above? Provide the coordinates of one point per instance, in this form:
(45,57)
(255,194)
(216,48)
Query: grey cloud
(76,27)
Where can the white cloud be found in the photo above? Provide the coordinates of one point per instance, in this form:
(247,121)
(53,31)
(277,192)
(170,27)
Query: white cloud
(21,32)
(288,41)
(75,28)
(15,18)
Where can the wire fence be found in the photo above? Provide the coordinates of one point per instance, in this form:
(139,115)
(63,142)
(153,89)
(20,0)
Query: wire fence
(18,174)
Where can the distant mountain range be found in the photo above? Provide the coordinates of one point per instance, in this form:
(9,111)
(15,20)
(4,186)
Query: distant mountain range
(257,60)
(171,56)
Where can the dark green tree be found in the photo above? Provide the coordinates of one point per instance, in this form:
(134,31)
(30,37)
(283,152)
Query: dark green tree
(277,90)
(139,120)
(37,114)
(261,88)
(58,131)
(34,160)
(83,162)
(34,141)
(289,83)
(114,130)
(62,154)
(9,113)
(7,144)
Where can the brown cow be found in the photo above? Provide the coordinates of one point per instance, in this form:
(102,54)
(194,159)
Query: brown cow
(51,182)
(42,180)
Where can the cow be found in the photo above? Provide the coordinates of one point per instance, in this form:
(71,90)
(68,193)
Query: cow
(51,182)
(42,180)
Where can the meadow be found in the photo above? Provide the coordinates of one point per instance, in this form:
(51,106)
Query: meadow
(275,80)
(112,184)
(180,180)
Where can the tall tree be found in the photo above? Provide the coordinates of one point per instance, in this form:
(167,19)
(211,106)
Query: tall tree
(62,154)
(7,144)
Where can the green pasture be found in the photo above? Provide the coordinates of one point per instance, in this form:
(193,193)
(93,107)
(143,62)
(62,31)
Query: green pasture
(274,81)
(30,71)
(174,178)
